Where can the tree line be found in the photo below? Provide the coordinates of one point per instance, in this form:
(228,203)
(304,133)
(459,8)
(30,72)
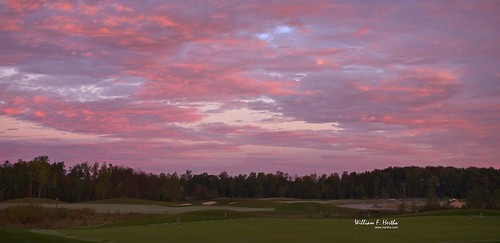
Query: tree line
(93,181)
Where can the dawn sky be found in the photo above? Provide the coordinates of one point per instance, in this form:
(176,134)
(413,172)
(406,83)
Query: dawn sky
(296,86)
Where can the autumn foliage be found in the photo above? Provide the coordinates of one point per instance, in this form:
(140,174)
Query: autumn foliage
(86,181)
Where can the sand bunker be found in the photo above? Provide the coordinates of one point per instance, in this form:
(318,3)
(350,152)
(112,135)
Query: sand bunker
(209,203)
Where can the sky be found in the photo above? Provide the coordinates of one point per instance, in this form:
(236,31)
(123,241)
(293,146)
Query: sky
(296,86)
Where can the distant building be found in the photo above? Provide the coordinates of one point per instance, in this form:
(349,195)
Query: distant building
(455,203)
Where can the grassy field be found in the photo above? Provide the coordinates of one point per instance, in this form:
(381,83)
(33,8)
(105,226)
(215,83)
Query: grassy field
(139,206)
(32,200)
(411,229)
(289,222)
(24,235)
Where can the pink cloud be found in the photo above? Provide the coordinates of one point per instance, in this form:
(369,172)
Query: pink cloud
(9,24)
(61,6)
(23,5)
(122,8)
(113,118)
(361,31)
(12,111)
(88,9)
(39,114)
(201,81)
(163,21)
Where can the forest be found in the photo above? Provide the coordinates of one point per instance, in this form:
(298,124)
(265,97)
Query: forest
(93,181)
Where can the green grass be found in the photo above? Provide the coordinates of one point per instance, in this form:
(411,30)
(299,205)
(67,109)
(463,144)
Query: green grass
(462,212)
(185,217)
(127,200)
(242,202)
(310,207)
(291,222)
(410,229)
(248,202)
(33,200)
(23,235)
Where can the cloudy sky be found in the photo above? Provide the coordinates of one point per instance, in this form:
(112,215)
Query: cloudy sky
(241,86)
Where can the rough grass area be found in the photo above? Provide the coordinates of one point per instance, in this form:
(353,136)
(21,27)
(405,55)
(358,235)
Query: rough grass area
(35,216)
(235,202)
(249,202)
(410,229)
(23,235)
(33,200)
(127,200)
(207,215)
(462,212)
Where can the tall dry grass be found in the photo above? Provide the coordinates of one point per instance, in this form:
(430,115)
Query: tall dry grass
(36,216)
